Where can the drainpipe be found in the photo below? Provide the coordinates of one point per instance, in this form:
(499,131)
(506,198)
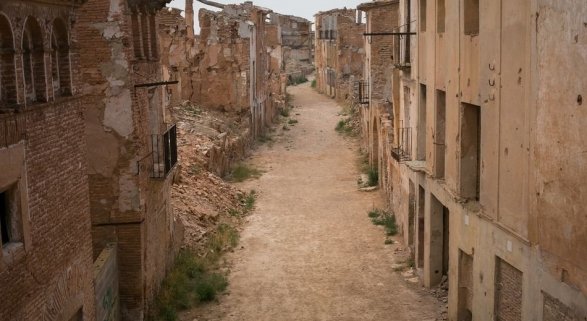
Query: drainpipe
(212,3)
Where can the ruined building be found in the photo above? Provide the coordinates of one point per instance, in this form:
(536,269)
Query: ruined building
(239,66)
(477,134)
(132,144)
(339,52)
(296,39)
(46,267)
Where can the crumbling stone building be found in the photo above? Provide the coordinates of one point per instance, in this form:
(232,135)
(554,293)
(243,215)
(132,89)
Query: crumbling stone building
(46,269)
(488,187)
(132,144)
(339,52)
(238,66)
(296,39)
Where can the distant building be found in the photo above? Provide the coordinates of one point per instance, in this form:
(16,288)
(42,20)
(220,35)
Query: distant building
(339,53)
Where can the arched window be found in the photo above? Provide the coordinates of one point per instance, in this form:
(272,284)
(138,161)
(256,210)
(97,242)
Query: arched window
(7,68)
(33,62)
(60,59)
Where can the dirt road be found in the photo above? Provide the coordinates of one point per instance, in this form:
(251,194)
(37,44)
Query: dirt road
(309,251)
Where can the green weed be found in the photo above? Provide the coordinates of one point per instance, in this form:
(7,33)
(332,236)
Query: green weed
(242,172)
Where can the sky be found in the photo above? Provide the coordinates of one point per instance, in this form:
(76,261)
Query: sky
(300,8)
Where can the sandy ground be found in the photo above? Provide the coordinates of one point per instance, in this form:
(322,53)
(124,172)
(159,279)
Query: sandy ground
(309,251)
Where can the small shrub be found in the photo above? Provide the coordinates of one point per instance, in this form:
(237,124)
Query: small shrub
(374,213)
(233,212)
(388,241)
(314,84)
(343,127)
(284,111)
(264,138)
(188,283)
(373,177)
(292,121)
(209,287)
(248,200)
(242,172)
(225,238)
(385,219)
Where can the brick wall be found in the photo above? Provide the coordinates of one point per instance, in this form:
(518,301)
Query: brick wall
(508,292)
(119,51)
(49,276)
(554,310)
(54,274)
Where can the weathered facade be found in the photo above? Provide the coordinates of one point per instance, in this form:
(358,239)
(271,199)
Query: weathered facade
(481,152)
(132,141)
(46,256)
(296,39)
(236,71)
(339,52)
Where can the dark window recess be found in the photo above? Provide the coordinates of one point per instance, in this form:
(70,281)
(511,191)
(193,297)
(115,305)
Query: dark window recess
(471,17)
(422,15)
(164,152)
(4,218)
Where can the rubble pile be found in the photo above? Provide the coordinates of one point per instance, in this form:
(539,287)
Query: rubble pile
(201,199)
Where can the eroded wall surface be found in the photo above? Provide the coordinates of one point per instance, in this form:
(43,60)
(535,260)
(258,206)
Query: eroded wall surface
(130,198)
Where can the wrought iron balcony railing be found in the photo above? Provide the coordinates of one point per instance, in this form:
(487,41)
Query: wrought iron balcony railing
(403,152)
(164,152)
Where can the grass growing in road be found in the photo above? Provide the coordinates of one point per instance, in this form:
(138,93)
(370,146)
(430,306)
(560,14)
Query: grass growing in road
(344,127)
(242,172)
(292,121)
(383,218)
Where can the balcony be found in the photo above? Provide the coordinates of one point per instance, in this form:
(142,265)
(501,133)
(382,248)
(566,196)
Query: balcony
(401,48)
(163,153)
(403,152)
(362,89)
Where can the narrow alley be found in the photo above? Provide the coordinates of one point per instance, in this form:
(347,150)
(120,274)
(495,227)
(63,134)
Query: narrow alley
(309,251)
